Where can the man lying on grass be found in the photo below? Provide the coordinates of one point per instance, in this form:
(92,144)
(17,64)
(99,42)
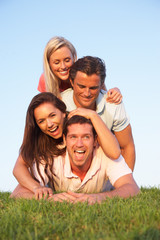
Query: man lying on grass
(83,172)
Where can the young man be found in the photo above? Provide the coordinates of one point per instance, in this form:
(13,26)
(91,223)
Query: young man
(86,169)
(83,172)
(87,77)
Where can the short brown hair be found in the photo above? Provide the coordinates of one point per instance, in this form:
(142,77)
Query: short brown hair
(89,65)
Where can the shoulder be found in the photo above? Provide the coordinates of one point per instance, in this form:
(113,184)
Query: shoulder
(67,98)
(67,92)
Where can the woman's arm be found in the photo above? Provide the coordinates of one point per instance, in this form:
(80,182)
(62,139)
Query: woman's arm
(106,139)
(23,176)
(113,95)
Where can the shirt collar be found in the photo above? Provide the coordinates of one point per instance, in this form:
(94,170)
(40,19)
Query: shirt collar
(100,102)
(95,166)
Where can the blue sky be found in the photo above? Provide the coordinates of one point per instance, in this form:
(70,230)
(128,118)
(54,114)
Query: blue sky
(125,34)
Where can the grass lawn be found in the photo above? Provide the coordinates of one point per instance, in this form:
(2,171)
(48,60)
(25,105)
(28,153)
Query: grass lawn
(134,218)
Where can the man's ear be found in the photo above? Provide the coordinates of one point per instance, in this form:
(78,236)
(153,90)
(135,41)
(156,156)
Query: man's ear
(64,140)
(71,82)
(95,141)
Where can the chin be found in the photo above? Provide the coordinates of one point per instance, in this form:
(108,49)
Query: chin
(64,78)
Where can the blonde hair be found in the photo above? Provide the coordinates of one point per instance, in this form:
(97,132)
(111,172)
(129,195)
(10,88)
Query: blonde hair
(51,81)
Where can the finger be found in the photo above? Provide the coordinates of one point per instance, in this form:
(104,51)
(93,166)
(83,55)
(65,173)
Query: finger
(50,192)
(73,112)
(40,195)
(114,99)
(67,195)
(77,195)
(80,200)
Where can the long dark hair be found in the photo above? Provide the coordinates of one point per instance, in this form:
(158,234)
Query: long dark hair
(38,147)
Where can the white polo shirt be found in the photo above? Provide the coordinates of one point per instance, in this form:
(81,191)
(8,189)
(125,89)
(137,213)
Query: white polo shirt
(114,115)
(101,170)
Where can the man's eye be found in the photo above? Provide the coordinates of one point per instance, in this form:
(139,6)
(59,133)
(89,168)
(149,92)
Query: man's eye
(73,137)
(94,88)
(53,115)
(86,137)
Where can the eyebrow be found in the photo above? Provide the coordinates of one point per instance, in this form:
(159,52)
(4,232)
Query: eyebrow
(74,134)
(40,119)
(81,85)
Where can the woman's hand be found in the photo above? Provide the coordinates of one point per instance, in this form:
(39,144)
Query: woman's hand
(114,96)
(42,192)
(87,113)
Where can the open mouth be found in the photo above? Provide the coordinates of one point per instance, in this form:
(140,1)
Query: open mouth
(65,71)
(79,151)
(79,155)
(54,129)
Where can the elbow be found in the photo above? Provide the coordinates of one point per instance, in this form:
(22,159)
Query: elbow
(137,190)
(14,172)
(134,190)
(116,154)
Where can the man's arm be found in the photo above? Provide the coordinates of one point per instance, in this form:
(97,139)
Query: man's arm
(127,146)
(124,187)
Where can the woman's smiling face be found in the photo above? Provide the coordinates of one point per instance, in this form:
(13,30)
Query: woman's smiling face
(60,62)
(49,119)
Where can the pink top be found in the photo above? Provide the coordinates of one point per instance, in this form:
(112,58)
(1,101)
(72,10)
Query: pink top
(42,86)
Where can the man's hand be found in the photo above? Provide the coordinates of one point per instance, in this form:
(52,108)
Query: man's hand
(60,197)
(90,198)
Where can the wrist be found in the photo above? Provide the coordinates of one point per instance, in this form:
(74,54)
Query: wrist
(34,188)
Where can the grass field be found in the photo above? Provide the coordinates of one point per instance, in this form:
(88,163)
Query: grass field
(134,218)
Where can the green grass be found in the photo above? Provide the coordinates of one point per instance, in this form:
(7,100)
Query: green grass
(134,218)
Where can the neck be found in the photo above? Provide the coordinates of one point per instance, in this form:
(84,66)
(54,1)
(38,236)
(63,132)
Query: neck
(64,85)
(81,171)
(91,107)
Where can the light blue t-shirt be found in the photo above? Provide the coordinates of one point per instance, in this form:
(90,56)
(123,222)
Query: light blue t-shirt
(114,115)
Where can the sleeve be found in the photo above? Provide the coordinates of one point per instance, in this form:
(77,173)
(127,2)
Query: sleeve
(41,84)
(116,169)
(121,119)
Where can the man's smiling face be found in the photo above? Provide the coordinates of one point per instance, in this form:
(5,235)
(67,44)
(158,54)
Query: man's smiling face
(86,90)
(80,144)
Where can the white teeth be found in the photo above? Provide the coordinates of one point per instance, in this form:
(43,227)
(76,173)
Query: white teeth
(54,129)
(79,151)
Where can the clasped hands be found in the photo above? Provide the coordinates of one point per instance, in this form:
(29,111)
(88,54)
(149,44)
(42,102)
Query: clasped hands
(46,193)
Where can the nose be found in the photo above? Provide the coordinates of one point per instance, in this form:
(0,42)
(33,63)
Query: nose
(63,65)
(49,123)
(87,92)
(79,142)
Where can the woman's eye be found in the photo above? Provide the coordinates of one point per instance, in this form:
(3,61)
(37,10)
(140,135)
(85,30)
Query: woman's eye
(41,121)
(56,63)
(68,60)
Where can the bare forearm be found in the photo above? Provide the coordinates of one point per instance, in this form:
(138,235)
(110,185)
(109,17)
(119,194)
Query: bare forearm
(106,139)
(127,190)
(24,177)
(22,192)
(129,155)
(127,146)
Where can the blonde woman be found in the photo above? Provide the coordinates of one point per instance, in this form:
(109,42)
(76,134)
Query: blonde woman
(59,55)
